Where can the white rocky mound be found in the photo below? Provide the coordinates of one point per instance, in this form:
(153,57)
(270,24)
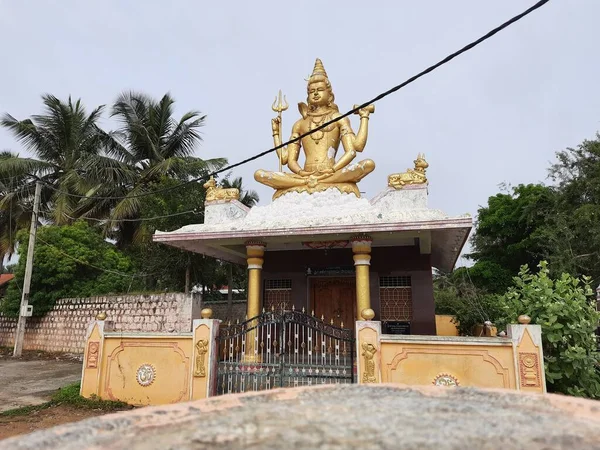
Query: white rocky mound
(330,207)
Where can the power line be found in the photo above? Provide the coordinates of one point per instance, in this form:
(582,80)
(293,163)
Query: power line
(326,124)
(141,219)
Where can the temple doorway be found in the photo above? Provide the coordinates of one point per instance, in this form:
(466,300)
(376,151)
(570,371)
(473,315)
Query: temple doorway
(334,298)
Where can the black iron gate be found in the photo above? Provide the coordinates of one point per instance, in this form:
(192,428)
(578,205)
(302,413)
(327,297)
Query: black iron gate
(283,349)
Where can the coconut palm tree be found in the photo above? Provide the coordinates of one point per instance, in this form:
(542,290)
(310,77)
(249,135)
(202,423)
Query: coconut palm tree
(155,146)
(63,141)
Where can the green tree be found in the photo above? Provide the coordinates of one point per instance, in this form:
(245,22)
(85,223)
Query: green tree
(64,141)
(456,294)
(511,231)
(69,261)
(152,145)
(565,309)
(573,232)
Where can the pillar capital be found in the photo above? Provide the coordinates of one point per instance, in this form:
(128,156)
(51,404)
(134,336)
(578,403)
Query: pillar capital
(255,243)
(361,246)
(361,238)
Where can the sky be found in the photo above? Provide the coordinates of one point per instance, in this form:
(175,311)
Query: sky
(494,115)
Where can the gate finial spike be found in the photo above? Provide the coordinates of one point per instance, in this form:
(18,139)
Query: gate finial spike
(237,321)
(342,325)
(229,323)
(322,317)
(293,307)
(303,309)
(263,309)
(272,308)
(331,322)
(313,313)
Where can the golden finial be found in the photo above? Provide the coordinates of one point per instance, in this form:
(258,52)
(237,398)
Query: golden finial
(101,316)
(524,319)
(206,313)
(342,325)
(367,313)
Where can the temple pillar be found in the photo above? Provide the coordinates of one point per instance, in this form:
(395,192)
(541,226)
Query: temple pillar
(361,247)
(255,252)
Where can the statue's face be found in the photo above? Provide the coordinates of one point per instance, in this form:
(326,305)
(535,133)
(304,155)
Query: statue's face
(318,94)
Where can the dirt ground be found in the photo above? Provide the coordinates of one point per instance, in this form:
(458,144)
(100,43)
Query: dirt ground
(45,418)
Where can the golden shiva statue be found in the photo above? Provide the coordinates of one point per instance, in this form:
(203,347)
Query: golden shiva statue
(411,176)
(321,171)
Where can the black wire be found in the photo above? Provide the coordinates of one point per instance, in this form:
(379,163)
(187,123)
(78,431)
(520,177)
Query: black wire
(326,124)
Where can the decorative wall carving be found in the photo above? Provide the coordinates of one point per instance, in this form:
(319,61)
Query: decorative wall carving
(368,353)
(146,374)
(529,366)
(92,355)
(445,379)
(201,349)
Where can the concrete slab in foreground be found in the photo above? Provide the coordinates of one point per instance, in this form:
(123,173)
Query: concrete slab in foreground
(341,417)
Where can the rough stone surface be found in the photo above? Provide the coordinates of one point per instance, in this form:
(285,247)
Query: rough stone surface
(63,328)
(341,417)
(25,383)
(220,211)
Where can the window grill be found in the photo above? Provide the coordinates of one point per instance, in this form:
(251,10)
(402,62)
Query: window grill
(395,294)
(277,294)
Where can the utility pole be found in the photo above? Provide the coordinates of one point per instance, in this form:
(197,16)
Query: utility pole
(20,336)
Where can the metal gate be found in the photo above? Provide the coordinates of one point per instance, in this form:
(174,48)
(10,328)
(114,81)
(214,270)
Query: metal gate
(283,349)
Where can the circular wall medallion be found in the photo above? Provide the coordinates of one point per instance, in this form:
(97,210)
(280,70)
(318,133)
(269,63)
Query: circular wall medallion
(445,379)
(528,361)
(145,375)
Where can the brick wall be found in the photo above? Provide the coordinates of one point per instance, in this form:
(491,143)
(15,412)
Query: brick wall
(63,328)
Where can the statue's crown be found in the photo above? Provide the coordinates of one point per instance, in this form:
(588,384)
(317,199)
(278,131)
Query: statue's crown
(318,71)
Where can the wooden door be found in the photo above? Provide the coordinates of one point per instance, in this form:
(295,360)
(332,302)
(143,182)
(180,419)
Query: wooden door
(334,298)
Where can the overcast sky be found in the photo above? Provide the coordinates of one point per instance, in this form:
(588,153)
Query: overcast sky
(494,115)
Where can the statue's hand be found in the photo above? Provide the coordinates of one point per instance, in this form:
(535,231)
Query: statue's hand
(276,126)
(364,112)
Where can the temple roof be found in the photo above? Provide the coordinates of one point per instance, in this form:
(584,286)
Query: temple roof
(294,221)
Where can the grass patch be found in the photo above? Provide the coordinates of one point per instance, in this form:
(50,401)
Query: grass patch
(69,395)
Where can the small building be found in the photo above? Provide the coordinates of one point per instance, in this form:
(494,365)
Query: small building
(334,254)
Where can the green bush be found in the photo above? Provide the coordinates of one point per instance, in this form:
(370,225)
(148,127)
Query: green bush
(565,310)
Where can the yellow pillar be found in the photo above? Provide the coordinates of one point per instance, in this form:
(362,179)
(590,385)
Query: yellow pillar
(361,247)
(255,252)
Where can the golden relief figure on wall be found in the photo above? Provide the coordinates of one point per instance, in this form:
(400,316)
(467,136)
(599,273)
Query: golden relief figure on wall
(201,350)
(214,192)
(368,353)
(411,176)
(321,171)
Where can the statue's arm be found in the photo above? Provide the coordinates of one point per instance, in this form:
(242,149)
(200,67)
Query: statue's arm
(293,150)
(282,153)
(348,142)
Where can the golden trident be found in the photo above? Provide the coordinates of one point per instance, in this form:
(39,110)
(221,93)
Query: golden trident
(280,105)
